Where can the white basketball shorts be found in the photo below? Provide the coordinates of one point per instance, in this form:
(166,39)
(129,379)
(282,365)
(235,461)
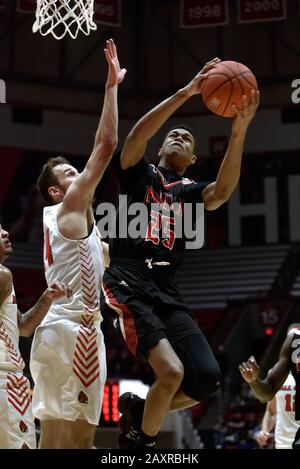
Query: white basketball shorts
(16,421)
(68,366)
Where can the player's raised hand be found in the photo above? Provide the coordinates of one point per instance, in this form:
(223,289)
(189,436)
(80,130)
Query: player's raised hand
(249,370)
(116,74)
(210,64)
(57,290)
(244,116)
(194,87)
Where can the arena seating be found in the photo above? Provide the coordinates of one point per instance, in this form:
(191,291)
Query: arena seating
(295,290)
(210,279)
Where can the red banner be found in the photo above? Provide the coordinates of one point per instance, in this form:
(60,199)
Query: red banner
(10,158)
(26,6)
(108,12)
(199,13)
(252,11)
(2,3)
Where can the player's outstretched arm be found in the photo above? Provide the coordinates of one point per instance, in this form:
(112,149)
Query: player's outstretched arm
(81,192)
(148,125)
(218,192)
(29,321)
(266,389)
(250,372)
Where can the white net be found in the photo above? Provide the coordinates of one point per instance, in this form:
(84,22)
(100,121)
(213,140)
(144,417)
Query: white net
(61,17)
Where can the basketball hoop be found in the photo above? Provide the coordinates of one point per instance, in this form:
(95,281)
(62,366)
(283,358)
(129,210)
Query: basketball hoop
(61,17)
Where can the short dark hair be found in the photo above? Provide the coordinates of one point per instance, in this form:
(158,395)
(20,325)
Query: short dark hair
(185,127)
(47,178)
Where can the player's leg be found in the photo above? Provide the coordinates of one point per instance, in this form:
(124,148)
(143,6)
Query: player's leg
(202,376)
(182,401)
(77,435)
(131,304)
(48,374)
(50,434)
(169,374)
(142,419)
(201,371)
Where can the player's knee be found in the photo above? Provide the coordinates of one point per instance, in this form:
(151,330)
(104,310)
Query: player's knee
(212,382)
(77,436)
(78,441)
(205,384)
(171,376)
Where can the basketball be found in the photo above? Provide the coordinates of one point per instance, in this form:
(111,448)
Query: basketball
(225,85)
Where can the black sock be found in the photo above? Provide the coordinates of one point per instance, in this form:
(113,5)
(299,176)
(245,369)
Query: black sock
(149,441)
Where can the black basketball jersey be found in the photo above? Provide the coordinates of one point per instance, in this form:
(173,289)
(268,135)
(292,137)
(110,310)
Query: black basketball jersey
(163,193)
(295,369)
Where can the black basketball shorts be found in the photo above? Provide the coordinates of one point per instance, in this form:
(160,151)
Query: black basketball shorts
(146,306)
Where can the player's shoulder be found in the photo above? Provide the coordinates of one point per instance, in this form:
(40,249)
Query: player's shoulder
(50,212)
(5,276)
(51,208)
(289,341)
(286,346)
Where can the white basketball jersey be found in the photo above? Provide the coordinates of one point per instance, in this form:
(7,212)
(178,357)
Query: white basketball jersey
(286,426)
(79,263)
(10,357)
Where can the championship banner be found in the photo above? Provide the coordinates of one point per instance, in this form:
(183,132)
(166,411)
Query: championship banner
(253,11)
(107,12)
(200,13)
(26,6)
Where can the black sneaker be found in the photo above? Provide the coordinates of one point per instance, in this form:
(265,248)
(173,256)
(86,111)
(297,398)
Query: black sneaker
(130,422)
(132,407)
(127,443)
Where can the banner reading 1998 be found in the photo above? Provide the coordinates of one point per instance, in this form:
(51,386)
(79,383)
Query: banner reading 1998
(199,13)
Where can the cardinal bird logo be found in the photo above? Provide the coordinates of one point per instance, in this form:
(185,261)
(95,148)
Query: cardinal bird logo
(82,398)
(23,427)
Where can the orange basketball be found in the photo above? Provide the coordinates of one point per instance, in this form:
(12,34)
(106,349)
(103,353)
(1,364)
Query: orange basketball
(225,85)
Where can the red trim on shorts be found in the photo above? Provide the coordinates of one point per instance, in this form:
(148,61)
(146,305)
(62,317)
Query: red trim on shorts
(17,388)
(129,326)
